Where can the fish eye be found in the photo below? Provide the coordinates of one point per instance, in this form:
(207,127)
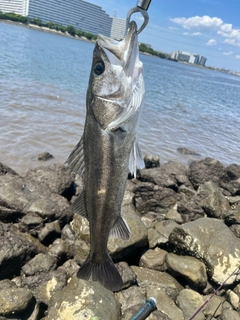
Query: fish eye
(99,68)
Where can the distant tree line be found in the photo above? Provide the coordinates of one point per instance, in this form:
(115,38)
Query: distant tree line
(51,25)
(146,49)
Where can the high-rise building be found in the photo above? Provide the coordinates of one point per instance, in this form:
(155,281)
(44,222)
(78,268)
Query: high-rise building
(118,28)
(82,15)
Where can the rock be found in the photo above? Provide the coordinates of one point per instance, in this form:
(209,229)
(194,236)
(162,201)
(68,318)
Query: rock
(154,259)
(43,156)
(229,315)
(67,233)
(190,268)
(46,289)
(62,250)
(205,239)
(128,276)
(80,228)
(233,187)
(214,306)
(40,263)
(160,234)
(55,177)
(151,161)
(232,172)
(205,170)
(129,298)
(235,228)
(158,315)
(233,298)
(189,301)
(186,151)
(150,197)
(174,215)
(165,304)
(31,223)
(147,278)
(189,210)
(150,218)
(71,267)
(4,169)
(81,250)
(15,251)
(164,176)
(14,300)
(211,199)
(83,300)
(50,232)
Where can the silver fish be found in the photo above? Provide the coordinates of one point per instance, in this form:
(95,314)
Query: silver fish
(108,149)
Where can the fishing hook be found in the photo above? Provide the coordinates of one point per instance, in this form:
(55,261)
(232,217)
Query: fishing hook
(142,7)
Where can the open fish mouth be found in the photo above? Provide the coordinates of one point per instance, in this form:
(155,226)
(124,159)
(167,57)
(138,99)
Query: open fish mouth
(121,49)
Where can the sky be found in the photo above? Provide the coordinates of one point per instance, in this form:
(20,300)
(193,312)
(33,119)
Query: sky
(206,27)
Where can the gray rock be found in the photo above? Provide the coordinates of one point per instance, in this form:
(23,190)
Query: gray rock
(205,238)
(233,218)
(61,250)
(81,250)
(150,197)
(230,315)
(128,276)
(15,251)
(67,233)
(190,268)
(174,215)
(55,283)
(211,199)
(50,232)
(4,169)
(189,301)
(205,170)
(161,233)
(214,306)
(129,298)
(80,228)
(165,304)
(14,300)
(187,151)
(189,210)
(150,218)
(232,172)
(55,177)
(71,267)
(40,263)
(151,161)
(43,156)
(83,300)
(233,298)
(31,223)
(235,228)
(154,259)
(233,187)
(148,278)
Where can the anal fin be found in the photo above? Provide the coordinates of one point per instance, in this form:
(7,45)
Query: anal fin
(120,229)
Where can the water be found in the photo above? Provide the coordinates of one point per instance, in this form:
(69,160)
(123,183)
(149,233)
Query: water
(43,83)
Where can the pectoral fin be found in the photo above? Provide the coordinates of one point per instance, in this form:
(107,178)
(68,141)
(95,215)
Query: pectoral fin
(135,159)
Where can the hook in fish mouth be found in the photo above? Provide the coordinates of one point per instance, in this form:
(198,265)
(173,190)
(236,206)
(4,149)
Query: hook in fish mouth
(144,14)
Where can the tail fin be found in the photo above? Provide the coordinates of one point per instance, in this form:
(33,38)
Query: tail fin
(104,272)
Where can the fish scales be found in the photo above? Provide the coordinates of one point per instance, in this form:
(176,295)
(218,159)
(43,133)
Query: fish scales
(108,149)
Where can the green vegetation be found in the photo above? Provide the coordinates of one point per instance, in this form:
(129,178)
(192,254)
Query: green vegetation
(51,25)
(13,17)
(145,49)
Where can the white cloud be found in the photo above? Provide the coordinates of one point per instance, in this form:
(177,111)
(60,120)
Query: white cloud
(172,28)
(232,42)
(197,22)
(211,42)
(185,33)
(237,56)
(228,53)
(232,35)
(196,34)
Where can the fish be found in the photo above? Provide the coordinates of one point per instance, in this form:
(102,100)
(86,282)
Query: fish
(108,149)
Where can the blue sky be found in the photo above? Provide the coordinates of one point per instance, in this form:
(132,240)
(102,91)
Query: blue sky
(207,27)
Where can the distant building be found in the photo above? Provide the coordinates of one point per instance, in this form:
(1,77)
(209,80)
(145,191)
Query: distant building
(118,28)
(15,6)
(188,57)
(80,14)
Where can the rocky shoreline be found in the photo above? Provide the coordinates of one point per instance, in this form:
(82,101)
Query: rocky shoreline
(185,242)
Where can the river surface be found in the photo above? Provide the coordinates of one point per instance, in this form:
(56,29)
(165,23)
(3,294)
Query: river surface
(43,83)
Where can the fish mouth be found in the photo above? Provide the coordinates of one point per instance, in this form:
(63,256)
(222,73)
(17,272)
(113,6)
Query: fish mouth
(121,49)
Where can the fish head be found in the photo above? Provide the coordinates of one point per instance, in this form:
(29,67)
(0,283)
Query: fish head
(115,70)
